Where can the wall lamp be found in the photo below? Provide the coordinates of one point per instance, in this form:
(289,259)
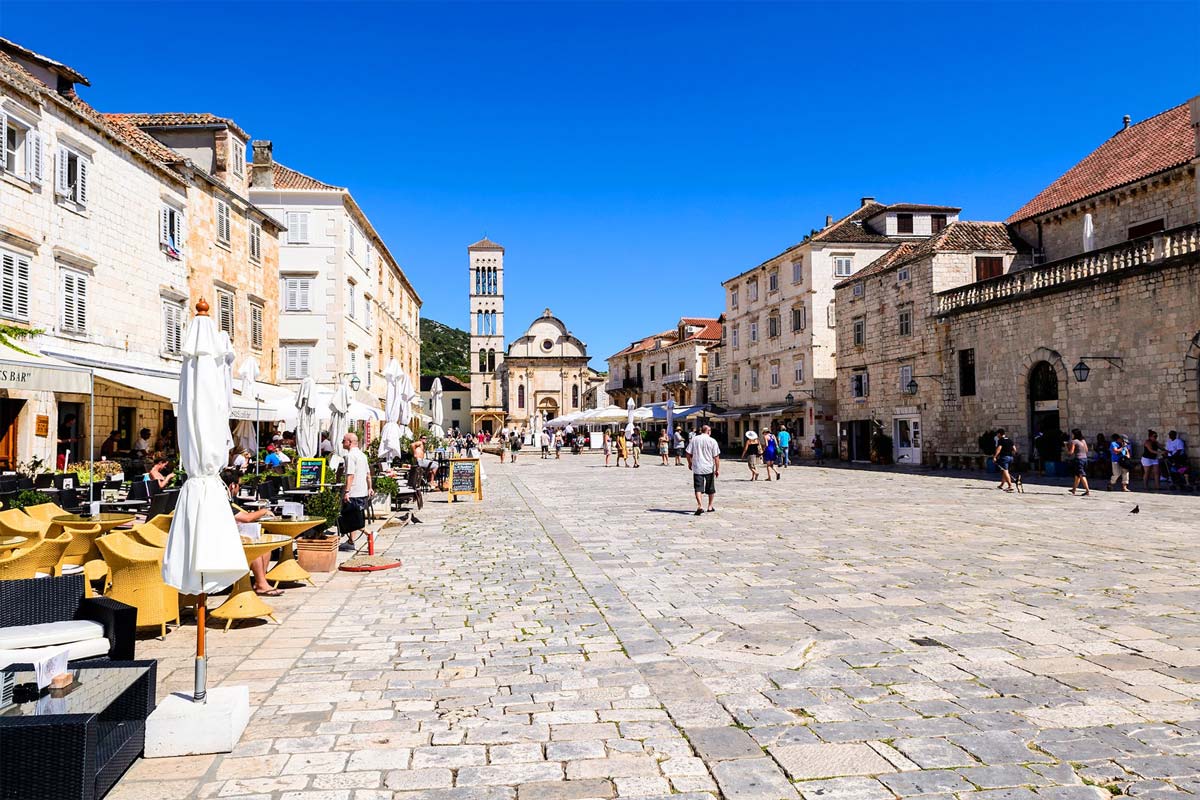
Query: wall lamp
(1082,370)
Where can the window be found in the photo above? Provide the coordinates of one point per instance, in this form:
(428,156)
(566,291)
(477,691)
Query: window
(222,222)
(72,175)
(350,304)
(858,384)
(905,378)
(831,316)
(297,225)
(521,396)
(937,223)
(1146,228)
(295,362)
(902,275)
(716,392)
(752,290)
(859,289)
(575,396)
(456,404)
(353,240)
(736,330)
(256,326)
(367,312)
(237,158)
(773,326)
(736,381)
(798,270)
(21,149)
(799,318)
(798,370)
(774,372)
(988,267)
(225,312)
(773,281)
(966,373)
(482,360)
(255,242)
(860,331)
(652,372)
(74,301)
(170,230)
(754,379)
(172,316)
(491,360)
(296,294)
(733,298)
(353,361)
(904,223)
(905,320)
(753,331)
(14,286)
(843,266)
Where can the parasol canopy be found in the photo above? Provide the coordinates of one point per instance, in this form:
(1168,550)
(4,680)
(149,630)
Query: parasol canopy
(339,423)
(306,420)
(435,394)
(389,437)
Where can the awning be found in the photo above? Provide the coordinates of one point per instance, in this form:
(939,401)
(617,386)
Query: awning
(736,413)
(157,385)
(37,373)
(769,412)
(681,412)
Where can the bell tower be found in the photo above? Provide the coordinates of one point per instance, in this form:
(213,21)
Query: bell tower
(485,260)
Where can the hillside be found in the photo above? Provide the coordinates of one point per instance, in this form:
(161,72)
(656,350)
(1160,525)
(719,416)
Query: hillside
(444,350)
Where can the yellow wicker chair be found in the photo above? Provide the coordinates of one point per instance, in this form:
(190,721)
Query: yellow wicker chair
(14,521)
(162,522)
(50,553)
(150,535)
(45,512)
(83,545)
(20,564)
(136,579)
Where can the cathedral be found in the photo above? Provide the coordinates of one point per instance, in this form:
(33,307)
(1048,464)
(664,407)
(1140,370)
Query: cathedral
(544,370)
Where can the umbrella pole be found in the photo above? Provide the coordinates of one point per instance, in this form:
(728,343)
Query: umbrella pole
(201,692)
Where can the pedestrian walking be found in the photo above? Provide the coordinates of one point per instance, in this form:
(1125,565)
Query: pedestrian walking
(635,447)
(770,454)
(752,451)
(1151,455)
(1122,460)
(558,444)
(607,447)
(664,446)
(704,460)
(785,447)
(818,449)
(1006,451)
(544,441)
(514,445)
(679,446)
(1077,449)
(623,450)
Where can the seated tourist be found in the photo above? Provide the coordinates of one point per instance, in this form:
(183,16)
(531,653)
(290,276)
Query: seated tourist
(258,567)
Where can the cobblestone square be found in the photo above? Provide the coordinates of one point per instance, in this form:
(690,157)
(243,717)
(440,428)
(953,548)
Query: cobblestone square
(838,634)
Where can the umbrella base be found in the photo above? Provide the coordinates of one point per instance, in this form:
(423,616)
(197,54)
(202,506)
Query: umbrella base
(180,727)
(369,563)
(243,603)
(288,569)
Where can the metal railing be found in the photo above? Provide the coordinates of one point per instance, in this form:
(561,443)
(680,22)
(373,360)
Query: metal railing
(683,376)
(1124,256)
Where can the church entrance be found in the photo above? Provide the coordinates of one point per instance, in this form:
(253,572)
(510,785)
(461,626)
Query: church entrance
(548,407)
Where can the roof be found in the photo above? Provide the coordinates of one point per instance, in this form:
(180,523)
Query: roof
(646,343)
(449,383)
(919,207)
(1153,145)
(709,328)
(961,236)
(122,123)
(174,119)
(49,63)
(486,244)
(288,178)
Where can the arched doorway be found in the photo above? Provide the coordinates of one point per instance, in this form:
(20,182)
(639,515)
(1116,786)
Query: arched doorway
(1045,425)
(548,407)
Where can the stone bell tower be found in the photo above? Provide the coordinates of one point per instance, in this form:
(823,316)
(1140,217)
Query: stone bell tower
(485,260)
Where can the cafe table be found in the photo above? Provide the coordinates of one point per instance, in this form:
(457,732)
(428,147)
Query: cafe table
(243,601)
(9,543)
(107,520)
(288,568)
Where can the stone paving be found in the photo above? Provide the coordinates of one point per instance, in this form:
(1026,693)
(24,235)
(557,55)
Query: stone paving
(847,635)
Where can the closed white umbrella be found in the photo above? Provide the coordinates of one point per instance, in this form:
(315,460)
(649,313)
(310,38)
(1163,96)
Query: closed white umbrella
(671,420)
(629,417)
(306,420)
(1089,233)
(389,437)
(407,394)
(435,394)
(246,435)
(339,423)
(204,552)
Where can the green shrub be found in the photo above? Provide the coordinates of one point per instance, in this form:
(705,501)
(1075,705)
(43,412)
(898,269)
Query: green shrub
(28,497)
(325,504)
(386,485)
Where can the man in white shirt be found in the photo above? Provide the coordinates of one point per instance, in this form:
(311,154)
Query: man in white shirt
(141,447)
(358,481)
(704,459)
(325,449)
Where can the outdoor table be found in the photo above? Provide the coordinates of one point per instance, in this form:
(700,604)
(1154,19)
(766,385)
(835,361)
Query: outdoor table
(8,543)
(76,746)
(118,506)
(243,602)
(106,520)
(300,492)
(288,568)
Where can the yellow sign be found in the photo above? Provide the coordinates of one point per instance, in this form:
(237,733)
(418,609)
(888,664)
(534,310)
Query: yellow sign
(465,478)
(42,426)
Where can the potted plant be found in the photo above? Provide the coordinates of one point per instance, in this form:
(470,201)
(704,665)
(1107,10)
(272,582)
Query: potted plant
(317,550)
(385,489)
(28,497)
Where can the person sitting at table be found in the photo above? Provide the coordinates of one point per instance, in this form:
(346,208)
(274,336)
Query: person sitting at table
(258,567)
(427,464)
(325,449)
(141,447)
(159,475)
(108,448)
(241,461)
(274,457)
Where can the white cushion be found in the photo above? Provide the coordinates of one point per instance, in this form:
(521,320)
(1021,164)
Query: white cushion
(89,648)
(21,637)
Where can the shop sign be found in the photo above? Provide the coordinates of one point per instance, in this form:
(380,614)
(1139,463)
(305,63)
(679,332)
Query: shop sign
(41,426)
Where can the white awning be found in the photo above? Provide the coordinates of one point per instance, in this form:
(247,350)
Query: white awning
(157,385)
(38,373)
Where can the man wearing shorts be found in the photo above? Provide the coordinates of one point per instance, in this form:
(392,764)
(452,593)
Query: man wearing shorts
(704,459)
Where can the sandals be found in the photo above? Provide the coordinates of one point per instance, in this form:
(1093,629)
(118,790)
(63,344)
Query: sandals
(269,592)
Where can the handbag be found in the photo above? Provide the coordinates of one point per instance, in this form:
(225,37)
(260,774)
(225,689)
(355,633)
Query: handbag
(1127,462)
(351,519)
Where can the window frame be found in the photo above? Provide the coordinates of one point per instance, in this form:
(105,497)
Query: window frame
(905,220)
(303,369)
(254,235)
(798,270)
(21,290)
(753,331)
(225,296)
(774,326)
(297,222)
(838,261)
(858,290)
(303,295)
(773,281)
(237,157)
(906,375)
(799,318)
(752,290)
(859,331)
(860,384)
(76,191)
(172,338)
(224,232)
(904,320)
(257,317)
(69,296)
(733,298)
(903,275)
(967,387)
(773,374)
(937,223)
(993,263)
(754,379)
(798,370)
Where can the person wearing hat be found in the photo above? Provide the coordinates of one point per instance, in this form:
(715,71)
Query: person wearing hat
(1121,461)
(273,458)
(751,452)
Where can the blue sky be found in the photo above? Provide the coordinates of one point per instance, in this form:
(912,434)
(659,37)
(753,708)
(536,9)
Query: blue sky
(632,156)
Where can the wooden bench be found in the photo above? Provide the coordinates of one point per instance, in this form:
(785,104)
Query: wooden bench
(962,460)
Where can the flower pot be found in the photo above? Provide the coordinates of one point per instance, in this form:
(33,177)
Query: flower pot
(381,503)
(319,554)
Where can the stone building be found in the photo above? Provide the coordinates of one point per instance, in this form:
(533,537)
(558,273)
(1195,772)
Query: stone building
(456,401)
(671,365)
(777,356)
(347,307)
(485,270)
(545,370)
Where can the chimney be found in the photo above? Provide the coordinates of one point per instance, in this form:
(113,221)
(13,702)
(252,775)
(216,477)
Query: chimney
(1126,120)
(866,201)
(828,220)
(262,173)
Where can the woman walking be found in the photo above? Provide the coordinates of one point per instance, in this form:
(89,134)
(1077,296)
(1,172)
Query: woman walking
(771,454)
(1077,449)
(751,452)
(664,446)
(607,448)
(1151,454)
(515,439)
(622,449)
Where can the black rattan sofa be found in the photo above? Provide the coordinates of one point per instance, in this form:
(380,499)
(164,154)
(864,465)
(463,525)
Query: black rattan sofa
(35,601)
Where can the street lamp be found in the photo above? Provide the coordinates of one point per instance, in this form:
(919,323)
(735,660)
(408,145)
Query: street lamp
(790,399)
(911,386)
(1081,370)
(355,382)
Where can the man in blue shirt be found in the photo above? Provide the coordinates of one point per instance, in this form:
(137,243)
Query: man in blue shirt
(785,447)
(272,459)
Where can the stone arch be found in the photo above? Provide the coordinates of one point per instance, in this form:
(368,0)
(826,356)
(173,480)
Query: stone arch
(1191,379)
(1028,362)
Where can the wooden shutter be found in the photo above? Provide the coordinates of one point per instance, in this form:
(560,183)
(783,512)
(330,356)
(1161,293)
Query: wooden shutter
(164,226)
(74,311)
(61,186)
(172,327)
(180,230)
(83,168)
(225,310)
(222,222)
(34,158)
(256,327)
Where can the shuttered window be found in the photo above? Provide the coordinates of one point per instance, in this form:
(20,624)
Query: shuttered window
(21,149)
(225,312)
(170,230)
(256,326)
(295,362)
(297,225)
(255,242)
(72,176)
(172,334)
(74,301)
(238,159)
(296,292)
(350,304)
(222,222)
(14,286)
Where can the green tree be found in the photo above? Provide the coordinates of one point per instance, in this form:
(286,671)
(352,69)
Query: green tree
(444,350)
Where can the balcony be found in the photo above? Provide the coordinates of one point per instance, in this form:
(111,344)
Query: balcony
(1126,256)
(618,384)
(683,376)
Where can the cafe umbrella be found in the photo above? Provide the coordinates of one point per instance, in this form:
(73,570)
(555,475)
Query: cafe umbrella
(204,552)
(339,423)
(249,375)
(407,394)
(306,420)
(389,437)
(629,412)
(671,421)
(435,394)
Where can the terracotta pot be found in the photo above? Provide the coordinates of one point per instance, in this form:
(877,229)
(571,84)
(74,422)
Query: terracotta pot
(317,555)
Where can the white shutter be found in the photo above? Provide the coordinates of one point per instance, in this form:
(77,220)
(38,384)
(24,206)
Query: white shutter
(303,362)
(74,299)
(4,141)
(60,173)
(179,230)
(291,294)
(34,158)
(164,226)
(303,295)
(84,168)
(289,363)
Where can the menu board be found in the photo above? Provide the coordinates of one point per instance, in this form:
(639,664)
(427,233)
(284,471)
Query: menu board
(310,473)
(465,478)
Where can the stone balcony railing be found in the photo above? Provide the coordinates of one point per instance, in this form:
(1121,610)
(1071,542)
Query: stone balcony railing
(1124,256)
(683,376)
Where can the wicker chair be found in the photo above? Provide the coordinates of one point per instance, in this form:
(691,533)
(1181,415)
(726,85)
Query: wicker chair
(162,522)
(49,554)
(149,535)
(136,579)
(14,521)
(83,545)
(45,512)
(20,563)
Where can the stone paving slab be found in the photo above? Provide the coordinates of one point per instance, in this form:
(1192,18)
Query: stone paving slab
(849,635)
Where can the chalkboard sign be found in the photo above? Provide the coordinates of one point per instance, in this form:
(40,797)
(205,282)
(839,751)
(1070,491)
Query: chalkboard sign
(310,473)
(464,478)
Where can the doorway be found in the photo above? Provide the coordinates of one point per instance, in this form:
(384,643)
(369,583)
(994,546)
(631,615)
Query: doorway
(907,437)
(70,425)
(9,411)
(126,419)
(858,440)
(1044,423)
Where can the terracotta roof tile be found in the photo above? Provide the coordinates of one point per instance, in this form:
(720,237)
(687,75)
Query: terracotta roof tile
(961,236)
(893,256)
(148,142)
(486,244)
(709,328)
(288,178)
(850,227)
(173,119)
(1153,145)
(57,66)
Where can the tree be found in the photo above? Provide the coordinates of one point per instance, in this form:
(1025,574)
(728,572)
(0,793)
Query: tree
(444,350)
